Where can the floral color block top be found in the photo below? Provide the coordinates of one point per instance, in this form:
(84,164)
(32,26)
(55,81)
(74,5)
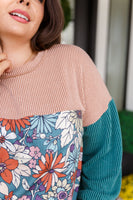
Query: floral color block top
(41,156)
(60,136)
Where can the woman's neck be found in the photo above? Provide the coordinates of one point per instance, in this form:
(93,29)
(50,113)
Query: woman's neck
(18,52)
(18,55)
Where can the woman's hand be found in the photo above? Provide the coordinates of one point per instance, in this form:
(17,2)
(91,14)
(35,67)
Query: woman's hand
(5,64)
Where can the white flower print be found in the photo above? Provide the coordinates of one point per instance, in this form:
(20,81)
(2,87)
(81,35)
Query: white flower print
(4,137)
(49,195)
(64,123)
(3,188)
(76,118)
(22,156)
(59,191)
(62,186)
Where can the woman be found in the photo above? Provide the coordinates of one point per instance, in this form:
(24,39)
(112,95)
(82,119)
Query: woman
(60,134)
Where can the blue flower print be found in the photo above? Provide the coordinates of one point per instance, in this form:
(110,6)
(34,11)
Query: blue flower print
(73,159)
(43,123)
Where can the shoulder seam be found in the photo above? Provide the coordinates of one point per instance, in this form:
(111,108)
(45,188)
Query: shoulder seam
(82,87)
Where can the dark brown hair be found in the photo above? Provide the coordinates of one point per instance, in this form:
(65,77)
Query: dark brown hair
(49,32)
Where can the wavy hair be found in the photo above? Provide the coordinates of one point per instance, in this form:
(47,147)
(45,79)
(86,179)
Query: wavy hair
(49,31)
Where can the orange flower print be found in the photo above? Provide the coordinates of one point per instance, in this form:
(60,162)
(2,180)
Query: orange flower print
(73,177)
(80,158)
(80,165)
(12,123)
(77,173)
(9,196)
(50,170)
(6,165)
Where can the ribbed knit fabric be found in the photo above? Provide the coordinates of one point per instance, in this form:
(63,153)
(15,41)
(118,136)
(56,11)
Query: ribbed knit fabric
(55,111)
(62,78)
(101,170)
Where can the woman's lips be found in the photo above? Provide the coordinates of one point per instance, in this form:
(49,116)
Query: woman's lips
(19,19)
(21,12)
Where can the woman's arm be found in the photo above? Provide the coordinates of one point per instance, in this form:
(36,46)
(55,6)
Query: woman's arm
(102,157)
(102,141)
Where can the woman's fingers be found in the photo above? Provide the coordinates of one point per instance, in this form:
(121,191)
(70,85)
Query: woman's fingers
(5,65)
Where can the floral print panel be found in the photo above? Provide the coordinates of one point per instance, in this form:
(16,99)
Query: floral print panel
(41,156)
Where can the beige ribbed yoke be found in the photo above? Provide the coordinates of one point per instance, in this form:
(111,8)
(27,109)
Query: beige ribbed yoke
(58,79)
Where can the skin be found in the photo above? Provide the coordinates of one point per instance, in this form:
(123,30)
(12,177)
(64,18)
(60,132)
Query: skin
(16,36)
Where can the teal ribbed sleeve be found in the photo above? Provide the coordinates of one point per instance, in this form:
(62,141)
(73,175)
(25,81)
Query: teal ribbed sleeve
(102,158)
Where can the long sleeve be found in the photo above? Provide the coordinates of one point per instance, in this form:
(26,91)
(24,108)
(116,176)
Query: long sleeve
(102,142)
(102,152)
